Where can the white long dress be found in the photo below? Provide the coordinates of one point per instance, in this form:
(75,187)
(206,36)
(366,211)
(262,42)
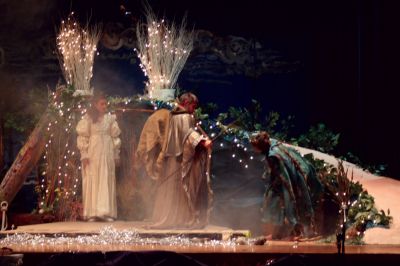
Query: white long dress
(100,143)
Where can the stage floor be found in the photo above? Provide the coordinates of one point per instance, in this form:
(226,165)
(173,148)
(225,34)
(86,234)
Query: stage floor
(85,228)
(117,236)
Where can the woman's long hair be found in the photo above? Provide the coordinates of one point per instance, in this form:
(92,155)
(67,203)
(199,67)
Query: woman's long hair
(92,112)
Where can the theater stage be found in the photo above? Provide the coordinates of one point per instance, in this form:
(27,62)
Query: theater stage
(102,243)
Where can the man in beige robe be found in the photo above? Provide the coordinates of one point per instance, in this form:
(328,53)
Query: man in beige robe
(176,155)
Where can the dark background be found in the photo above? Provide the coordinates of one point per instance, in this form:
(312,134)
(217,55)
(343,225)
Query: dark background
(348,53)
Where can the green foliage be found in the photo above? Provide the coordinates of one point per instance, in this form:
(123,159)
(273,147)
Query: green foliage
(279,129)
(203,112)
(271,121)
(320,138)
(200,115)
(242,118)
(362,213)
(249,119)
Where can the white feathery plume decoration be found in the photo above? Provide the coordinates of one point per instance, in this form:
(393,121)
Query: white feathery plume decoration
(163,50)
(77,47)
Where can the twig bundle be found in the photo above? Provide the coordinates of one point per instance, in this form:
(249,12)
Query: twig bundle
(77,47)
(163,50)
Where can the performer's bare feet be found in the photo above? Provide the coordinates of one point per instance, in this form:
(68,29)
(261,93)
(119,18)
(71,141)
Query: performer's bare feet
(91,219)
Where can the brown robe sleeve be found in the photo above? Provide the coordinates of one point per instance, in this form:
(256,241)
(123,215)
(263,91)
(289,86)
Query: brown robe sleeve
(149,152)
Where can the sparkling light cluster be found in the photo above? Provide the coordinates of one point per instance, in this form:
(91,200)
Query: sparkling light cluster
(163,50)
(108,235)
(77,47)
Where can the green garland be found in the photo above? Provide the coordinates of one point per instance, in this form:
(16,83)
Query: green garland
(361,211)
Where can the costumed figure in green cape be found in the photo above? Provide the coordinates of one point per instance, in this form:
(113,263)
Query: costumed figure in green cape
(292,190)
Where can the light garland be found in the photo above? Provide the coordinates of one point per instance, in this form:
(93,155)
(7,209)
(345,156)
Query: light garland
(237,142)
(58,185)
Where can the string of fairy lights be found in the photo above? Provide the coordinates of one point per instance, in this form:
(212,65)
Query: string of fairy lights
(238,143)
(60,181)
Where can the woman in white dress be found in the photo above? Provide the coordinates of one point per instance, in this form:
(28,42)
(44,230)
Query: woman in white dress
(99,144)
